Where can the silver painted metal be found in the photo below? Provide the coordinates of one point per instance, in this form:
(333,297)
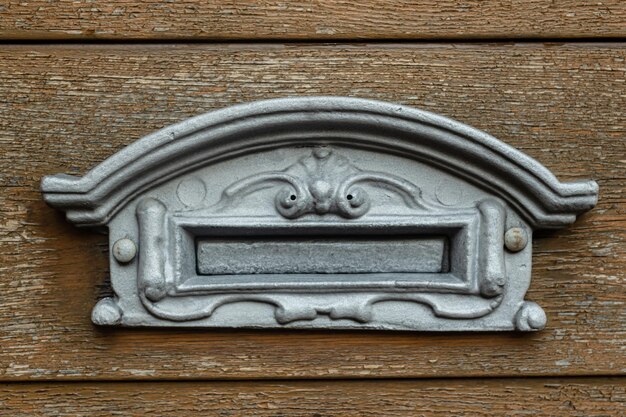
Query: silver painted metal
(320,212)
(515,239)
(124,250)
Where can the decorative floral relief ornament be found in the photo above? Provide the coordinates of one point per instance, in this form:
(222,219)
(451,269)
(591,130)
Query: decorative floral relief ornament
(321,183)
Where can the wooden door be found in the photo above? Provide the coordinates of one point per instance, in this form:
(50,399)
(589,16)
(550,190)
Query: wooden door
(80,80)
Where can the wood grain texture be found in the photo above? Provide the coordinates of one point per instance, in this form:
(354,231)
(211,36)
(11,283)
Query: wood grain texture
(584,397)
(311,19)
(64,109)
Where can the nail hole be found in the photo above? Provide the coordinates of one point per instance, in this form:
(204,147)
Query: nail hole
(349,197)
(292,197)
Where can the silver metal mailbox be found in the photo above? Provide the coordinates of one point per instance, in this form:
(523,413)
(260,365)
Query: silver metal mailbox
(320,212)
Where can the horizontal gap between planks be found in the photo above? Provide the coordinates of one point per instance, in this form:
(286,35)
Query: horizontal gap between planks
(361,41)
(270,379)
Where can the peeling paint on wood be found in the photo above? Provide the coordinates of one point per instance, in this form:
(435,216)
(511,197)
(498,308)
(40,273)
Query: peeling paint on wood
(311,19)
(583,397)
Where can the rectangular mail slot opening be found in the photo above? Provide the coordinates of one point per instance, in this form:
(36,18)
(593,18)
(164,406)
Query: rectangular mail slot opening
(429,253)
(322,255)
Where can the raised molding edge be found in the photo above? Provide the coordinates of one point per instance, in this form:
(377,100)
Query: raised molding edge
(532,189)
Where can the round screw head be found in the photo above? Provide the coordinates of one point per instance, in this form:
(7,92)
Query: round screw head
(124,250)
(515,239)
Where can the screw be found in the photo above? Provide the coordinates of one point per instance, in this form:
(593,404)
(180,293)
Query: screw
(124,250)
(515,239)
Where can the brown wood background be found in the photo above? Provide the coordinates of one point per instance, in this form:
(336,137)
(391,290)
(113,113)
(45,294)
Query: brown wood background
(311,19)
(80,80)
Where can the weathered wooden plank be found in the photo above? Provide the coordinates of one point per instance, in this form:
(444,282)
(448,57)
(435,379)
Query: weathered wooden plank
(64,109)
(306,19)
(584,397)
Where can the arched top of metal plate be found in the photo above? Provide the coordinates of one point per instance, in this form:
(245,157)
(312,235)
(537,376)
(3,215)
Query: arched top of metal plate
(468,153)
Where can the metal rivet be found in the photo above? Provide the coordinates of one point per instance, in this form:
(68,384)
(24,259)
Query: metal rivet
(124,250)
(515,239)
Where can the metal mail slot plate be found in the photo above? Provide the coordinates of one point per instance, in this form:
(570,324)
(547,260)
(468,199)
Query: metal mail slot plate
(320,212)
